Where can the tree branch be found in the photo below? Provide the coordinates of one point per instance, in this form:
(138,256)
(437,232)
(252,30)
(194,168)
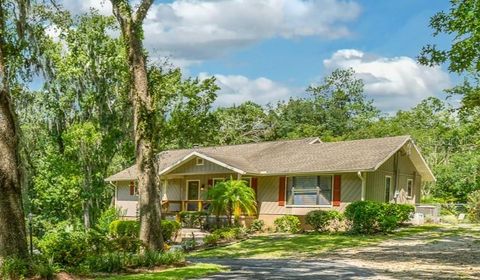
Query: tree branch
(142,11)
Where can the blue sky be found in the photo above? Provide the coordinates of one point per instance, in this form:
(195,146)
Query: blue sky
(269,50)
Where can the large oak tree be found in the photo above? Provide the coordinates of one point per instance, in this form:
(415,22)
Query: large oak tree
(131,26)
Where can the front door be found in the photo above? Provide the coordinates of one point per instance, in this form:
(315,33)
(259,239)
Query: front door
(193,193)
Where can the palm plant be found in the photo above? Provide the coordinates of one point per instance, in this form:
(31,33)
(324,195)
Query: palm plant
(232,198)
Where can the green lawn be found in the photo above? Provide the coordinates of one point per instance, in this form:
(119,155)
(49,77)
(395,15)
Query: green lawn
(301,245)
(188,272)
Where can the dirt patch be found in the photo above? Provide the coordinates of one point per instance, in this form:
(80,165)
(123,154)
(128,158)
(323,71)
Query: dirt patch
(447,253)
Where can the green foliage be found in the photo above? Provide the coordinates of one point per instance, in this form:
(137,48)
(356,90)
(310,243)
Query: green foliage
(65,245)
(170,229)
(120,228)
(287,223)
(232,197)
(228,233)
(45,268)
(473,206)
(370,217)
(106,219)
(211,239)
(462,25)
(256,226)
(115,262)
(14,268)
(321,220)
(192,219)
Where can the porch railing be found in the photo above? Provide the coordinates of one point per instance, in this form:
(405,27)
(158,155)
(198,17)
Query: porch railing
(172,206)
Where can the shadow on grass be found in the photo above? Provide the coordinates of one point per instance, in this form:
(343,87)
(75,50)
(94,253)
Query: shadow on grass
(188,272)
(301,245)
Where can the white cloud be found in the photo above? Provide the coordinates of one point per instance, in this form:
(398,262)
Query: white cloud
(193,30)
(104,7)
(236,89)
(394,83)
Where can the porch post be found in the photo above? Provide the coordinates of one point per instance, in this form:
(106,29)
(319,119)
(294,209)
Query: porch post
(239,176)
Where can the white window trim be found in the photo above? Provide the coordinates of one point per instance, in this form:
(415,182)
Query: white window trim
(409,195)
(200,161)
(389,188)
(186,189)
(303,205)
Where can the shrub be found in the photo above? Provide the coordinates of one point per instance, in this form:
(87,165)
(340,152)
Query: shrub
(66,246)
(170,229)
(13,268)
(256,226)
(287,223)
(211,239)
(109,262)
(370,217)
(107,217)
(192,219)
(403,212)
(46,269)
(473,206)
(449,219)
(321,220)
(364,216)
(121,228)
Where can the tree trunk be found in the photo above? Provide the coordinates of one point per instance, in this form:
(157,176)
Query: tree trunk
(149,201)
(12,220)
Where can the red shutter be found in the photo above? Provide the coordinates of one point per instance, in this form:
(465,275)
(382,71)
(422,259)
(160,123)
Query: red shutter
(337,183)
(281,191)
(254,186)
(210,182)
(132,188)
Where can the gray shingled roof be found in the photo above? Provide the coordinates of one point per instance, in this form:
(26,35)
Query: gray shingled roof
(292,157)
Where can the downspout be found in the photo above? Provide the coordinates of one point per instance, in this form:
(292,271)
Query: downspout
(364,184)
(395,173)
(115,193)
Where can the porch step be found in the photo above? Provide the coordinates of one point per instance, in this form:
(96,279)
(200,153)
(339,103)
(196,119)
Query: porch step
(188,233)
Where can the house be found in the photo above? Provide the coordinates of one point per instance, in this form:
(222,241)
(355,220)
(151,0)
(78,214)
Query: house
(288,176)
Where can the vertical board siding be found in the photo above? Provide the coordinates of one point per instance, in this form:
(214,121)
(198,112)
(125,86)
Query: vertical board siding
(268,196)
(191,167)
(351,188)
(125,202)
(406,170)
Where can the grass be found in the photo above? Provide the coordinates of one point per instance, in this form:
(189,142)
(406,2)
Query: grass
(188,272)
(302,245)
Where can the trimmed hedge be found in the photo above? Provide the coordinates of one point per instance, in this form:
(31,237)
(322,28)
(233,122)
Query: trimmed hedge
(119,229)
(287,223)
(321,220)
(371,217)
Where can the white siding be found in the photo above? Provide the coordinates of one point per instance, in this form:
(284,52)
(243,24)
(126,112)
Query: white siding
(125,202)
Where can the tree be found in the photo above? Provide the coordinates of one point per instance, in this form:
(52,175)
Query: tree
(232,197)
(143,111)
(12,47)
(183,115)
(242,124)
(73,129)
(463,57)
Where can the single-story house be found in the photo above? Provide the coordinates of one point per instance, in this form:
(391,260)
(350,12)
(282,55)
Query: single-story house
(288,176)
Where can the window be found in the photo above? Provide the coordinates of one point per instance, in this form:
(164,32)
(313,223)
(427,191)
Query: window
(199,161)
(309,190)
(388,187)
(409,187)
